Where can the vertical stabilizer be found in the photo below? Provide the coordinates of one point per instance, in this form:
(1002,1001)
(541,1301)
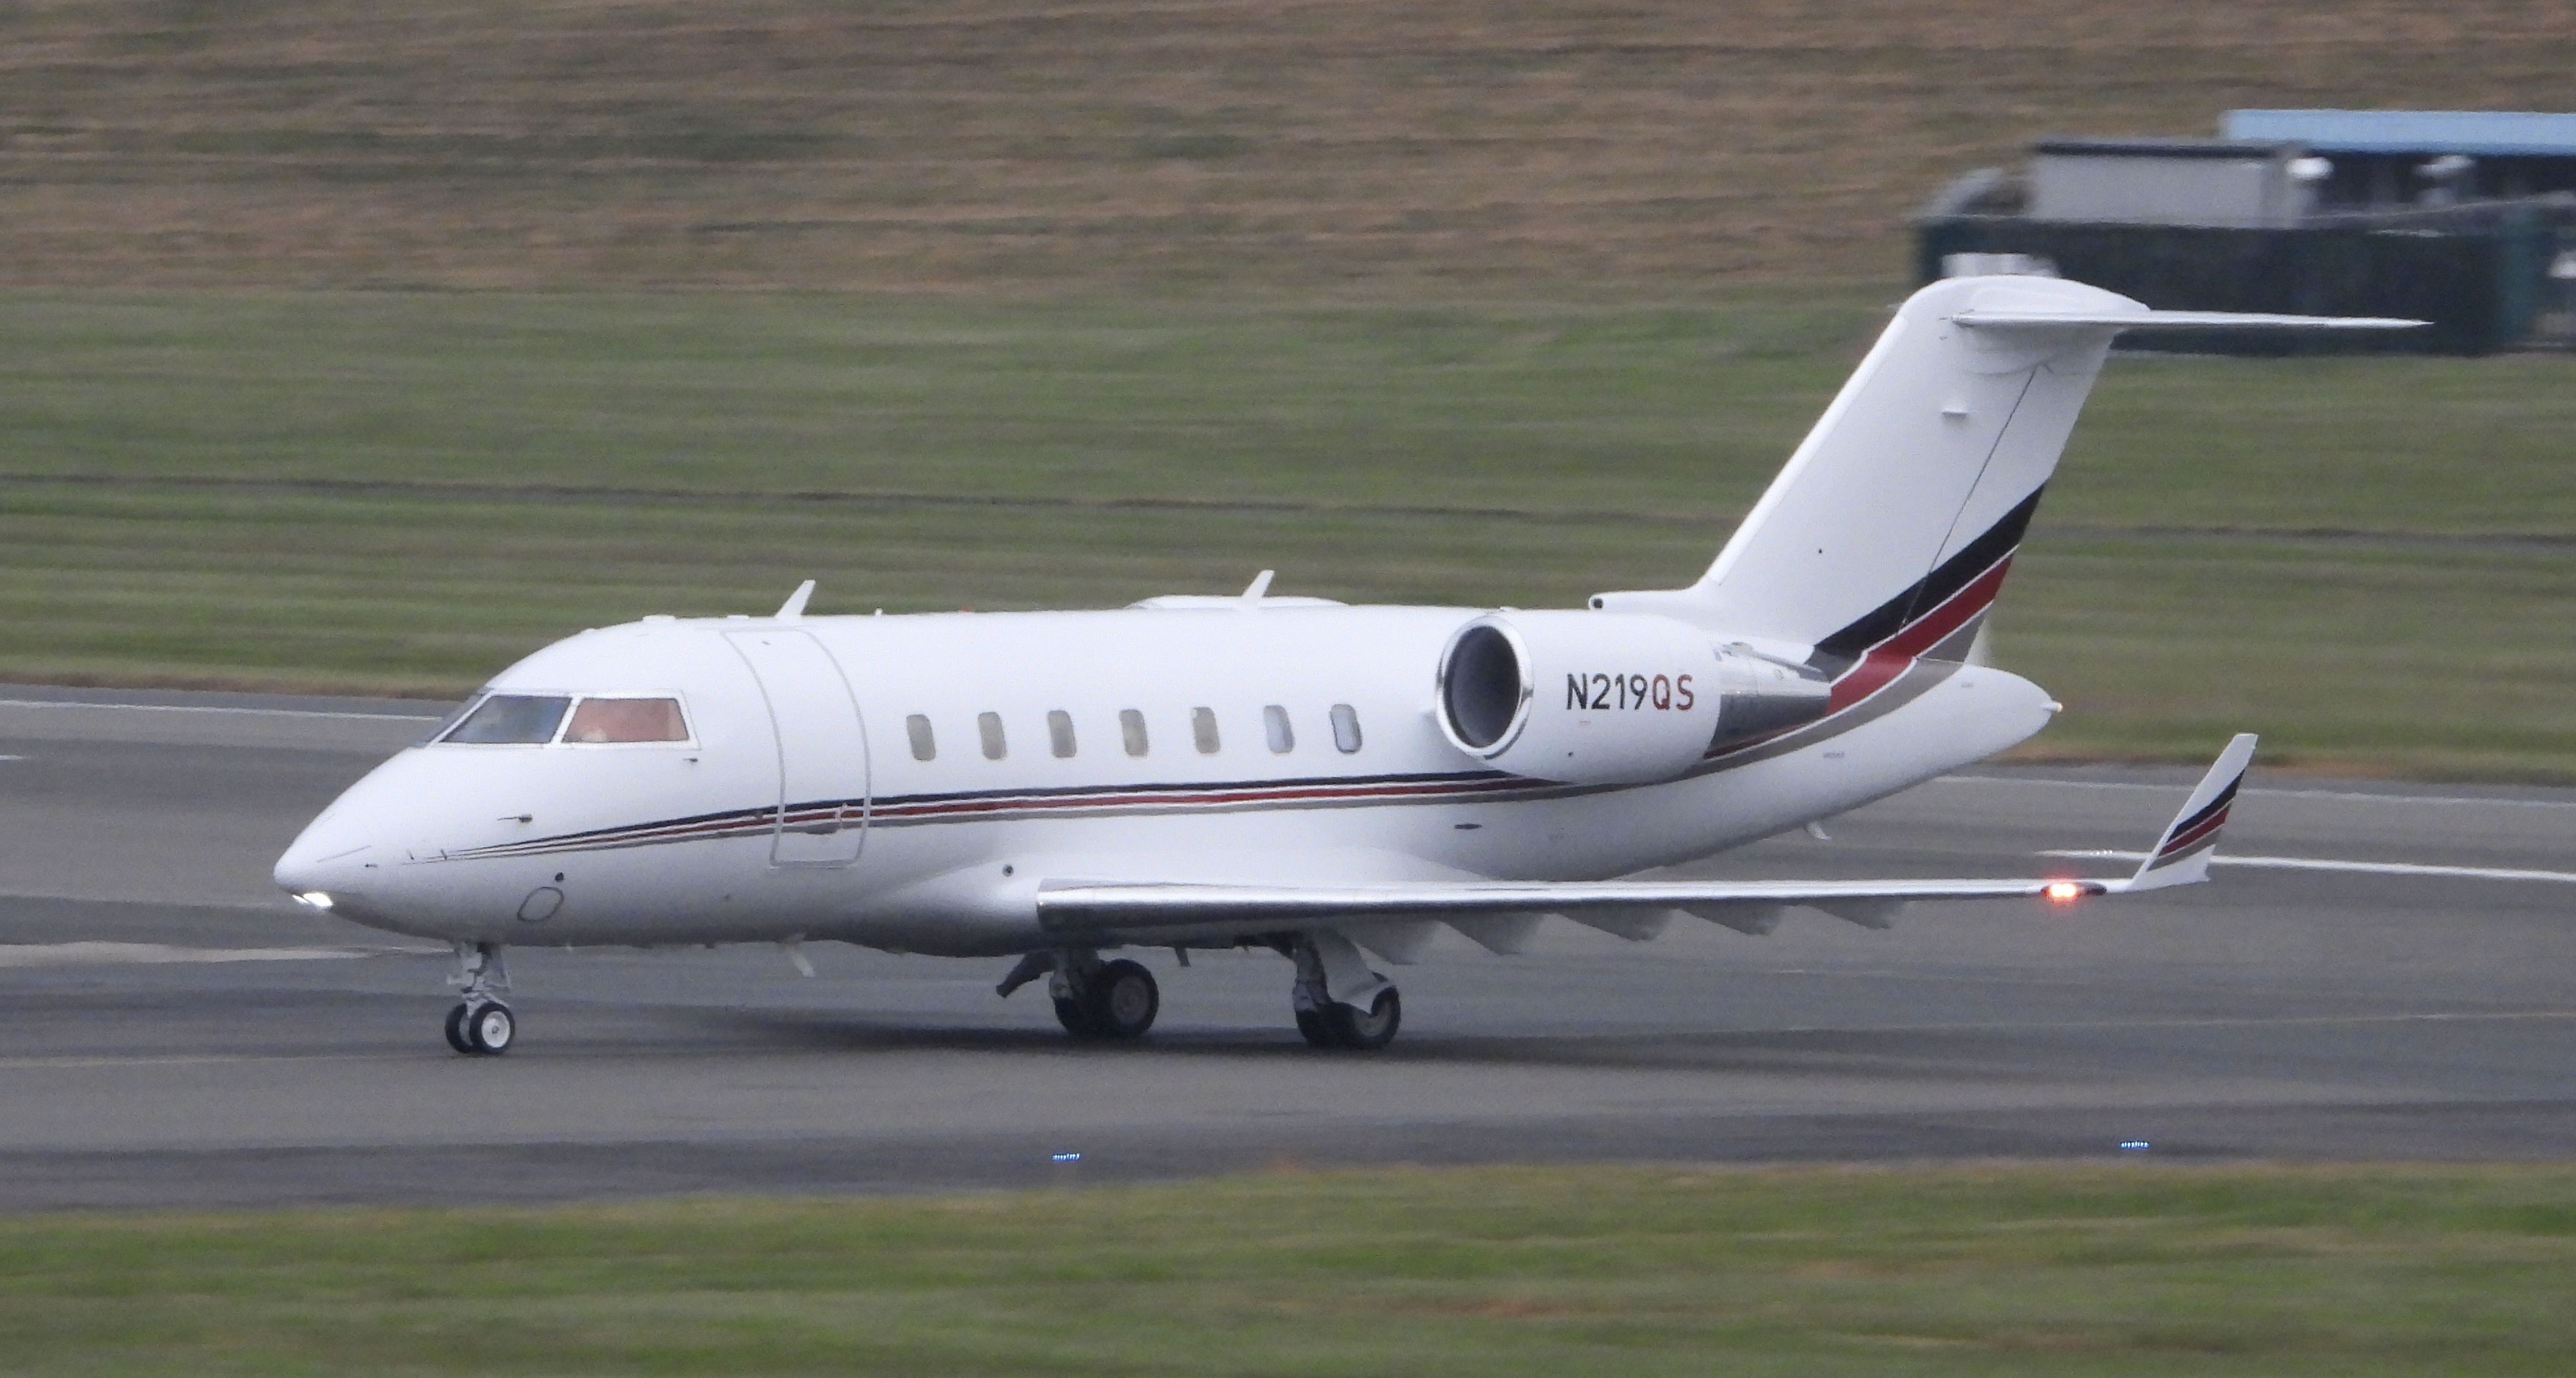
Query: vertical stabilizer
(1898,515)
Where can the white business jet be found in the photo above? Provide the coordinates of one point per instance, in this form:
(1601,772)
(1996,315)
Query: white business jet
(1326,781)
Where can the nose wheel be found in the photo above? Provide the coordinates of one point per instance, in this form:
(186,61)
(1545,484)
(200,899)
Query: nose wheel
(484,1029)
(480,1025)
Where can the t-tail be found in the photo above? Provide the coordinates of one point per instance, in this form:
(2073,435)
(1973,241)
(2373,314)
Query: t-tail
(1891,528)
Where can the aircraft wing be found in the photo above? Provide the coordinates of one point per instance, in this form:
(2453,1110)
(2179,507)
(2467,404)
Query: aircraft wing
(2181,857)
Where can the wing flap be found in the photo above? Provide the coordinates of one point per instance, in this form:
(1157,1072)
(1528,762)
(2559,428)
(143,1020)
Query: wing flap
(1073,905)
(1401,911)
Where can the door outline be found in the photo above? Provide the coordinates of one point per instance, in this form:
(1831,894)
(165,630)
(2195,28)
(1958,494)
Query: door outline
(764,647)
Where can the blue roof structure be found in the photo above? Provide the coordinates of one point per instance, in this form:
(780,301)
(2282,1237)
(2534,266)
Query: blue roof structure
(2475,133)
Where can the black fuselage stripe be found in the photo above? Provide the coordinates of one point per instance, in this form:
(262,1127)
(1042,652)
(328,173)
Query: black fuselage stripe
(1891,618)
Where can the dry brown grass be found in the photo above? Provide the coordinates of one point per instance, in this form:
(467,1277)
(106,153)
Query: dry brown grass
(1313,145)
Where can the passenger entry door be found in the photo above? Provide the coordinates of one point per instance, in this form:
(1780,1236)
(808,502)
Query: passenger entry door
(822,748)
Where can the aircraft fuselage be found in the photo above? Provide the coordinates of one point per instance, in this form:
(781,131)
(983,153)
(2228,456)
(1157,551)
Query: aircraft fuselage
(906,782)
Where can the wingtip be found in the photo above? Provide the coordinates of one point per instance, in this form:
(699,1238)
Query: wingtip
(2181,856)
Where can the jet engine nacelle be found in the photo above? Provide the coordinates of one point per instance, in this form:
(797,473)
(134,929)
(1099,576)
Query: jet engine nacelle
(1586,698)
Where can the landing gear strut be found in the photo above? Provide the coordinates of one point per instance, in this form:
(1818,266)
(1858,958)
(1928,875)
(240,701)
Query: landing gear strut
(1093,998)
(480,1024)
(1326,961)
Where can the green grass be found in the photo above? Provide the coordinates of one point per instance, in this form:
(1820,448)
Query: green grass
(404,492)
(1491,1272)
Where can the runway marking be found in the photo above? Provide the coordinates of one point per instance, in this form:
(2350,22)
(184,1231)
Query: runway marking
(2208,1022)
(75,1060)
(2347,796)
(210,708)
(87,954)
(2300,863)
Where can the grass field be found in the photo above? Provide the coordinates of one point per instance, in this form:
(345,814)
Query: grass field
(1481,1274)
(2366,559)
(1335,148)
(1034,303)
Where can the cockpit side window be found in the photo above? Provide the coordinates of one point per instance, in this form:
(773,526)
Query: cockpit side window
(627,720)
(511,720)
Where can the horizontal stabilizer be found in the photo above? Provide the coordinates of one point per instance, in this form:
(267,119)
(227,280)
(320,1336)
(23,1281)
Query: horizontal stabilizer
(1976,319)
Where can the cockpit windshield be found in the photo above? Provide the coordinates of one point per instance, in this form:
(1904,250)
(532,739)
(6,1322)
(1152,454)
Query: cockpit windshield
(511,720)
(585,720)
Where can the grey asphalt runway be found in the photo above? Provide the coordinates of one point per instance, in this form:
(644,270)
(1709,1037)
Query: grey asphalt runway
(172,1032)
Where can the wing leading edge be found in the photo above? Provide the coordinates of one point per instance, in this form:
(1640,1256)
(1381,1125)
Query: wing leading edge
(2181,857)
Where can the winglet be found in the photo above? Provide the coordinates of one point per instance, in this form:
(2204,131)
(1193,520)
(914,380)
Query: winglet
(1259,589)
(2181,857)
(794,607)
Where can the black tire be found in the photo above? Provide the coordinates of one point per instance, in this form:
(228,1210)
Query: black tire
(1369,1031)
(1311,1024)
(1123,1000)
(1075,1017)
(491,1028)
(456,1030)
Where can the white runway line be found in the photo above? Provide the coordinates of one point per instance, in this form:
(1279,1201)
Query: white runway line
(87,954)
(77,1060)
(2339,796)
(210,708)
(2301,863)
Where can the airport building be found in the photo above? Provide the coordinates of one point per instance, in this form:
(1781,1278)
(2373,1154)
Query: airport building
(2463,218)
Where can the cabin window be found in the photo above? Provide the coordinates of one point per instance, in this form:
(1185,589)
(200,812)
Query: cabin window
(511,720)
(1059,732)
(1274,722)
(989,727)
(924,745)
(1203,730)
(1346,728)
(627,720)
(1131,731)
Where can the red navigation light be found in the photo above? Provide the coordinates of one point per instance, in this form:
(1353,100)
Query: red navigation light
(2063,892)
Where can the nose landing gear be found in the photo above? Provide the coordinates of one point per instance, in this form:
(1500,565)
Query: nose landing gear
(481,1025)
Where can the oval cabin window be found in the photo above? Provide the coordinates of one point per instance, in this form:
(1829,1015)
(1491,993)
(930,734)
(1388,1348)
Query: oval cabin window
(1274,723)
(1346,728)
(1059,732)
(924,745)
(1131,731)
(989,727)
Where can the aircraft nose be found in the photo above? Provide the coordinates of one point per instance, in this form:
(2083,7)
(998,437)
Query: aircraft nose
(337,857)
(315,867)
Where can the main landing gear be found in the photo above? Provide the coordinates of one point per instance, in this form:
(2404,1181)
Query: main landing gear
(1114,1001)
(1338,1001)
(1366,1020)
(481,1025)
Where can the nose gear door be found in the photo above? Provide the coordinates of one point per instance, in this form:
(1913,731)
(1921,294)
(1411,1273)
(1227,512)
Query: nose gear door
(822,748)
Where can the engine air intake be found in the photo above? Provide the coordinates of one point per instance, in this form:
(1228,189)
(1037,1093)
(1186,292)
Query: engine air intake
(1482,686)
